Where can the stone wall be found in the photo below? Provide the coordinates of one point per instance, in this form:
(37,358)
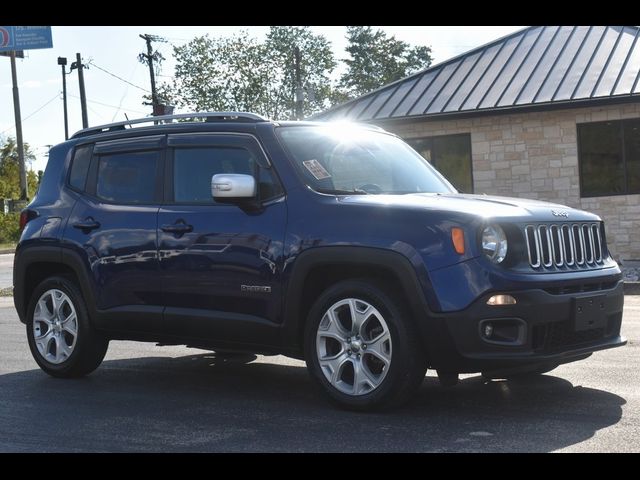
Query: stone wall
(534,155)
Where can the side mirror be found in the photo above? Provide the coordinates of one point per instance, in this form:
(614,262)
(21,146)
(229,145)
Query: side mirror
(233,185)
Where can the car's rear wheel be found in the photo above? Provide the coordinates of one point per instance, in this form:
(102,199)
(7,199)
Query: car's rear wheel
(361,348)
(60,335)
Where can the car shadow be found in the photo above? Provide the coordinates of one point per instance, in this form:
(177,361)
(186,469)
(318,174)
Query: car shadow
(229,403)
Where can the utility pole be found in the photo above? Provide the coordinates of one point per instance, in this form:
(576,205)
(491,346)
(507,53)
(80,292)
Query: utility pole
(16,108)
(83,97)
(150,57)
(299,91)
(62,61)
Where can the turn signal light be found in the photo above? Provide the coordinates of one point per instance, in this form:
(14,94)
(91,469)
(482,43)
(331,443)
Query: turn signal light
(457,236)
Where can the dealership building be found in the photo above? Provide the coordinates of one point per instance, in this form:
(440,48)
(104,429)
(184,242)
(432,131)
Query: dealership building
(548,112)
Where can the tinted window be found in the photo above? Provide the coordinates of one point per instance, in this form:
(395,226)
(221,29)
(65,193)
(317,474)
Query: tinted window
(632,154)
(194,167)
(609,157)
(80,167)
(451,155)
(128,177)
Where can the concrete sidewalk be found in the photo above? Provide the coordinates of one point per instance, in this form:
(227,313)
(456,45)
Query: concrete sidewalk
(6,271)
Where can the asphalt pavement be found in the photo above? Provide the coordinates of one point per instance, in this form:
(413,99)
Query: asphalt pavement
(160,399)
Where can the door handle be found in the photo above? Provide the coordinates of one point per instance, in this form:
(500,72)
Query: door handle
(177,228)
(87,225)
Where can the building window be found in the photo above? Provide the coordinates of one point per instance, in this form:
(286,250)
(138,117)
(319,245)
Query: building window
(609,158)
(451,155)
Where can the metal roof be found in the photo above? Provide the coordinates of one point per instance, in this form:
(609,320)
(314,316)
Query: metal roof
(536,66)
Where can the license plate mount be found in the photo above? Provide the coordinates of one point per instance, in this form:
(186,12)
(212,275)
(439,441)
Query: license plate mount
(589,312)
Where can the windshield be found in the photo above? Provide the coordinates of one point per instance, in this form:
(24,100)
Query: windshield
(350,159)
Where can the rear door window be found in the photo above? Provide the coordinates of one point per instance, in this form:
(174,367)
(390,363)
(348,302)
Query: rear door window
(128,177)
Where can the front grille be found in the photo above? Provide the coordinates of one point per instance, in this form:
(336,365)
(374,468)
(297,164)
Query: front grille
(577,245)
(581,288)
(549,337)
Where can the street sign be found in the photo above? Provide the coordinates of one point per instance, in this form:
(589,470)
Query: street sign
(25,38)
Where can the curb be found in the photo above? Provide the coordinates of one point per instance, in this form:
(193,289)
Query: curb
(632,288)
(7,250)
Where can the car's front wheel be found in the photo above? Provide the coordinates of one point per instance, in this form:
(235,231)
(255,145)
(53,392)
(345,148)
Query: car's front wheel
(361,347)
(60,335)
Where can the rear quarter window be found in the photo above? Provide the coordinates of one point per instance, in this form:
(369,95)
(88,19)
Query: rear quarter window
(80,167)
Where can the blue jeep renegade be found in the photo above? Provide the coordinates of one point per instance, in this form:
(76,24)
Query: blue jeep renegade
(337,244)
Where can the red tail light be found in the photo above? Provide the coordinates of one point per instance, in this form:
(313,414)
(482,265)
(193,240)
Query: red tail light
(24,218)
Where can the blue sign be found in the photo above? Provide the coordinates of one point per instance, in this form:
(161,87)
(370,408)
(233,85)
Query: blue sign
(25,38)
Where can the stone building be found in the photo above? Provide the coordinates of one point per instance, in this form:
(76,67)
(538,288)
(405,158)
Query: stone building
(547,112)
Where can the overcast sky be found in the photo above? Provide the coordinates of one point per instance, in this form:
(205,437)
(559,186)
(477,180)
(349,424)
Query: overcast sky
(115,49)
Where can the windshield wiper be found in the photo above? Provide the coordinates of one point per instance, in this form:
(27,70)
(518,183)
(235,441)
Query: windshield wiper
(332,191)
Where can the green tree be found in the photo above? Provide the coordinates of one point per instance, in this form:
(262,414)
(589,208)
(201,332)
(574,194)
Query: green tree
(376,60)
(241,73)
(316,64)
(10,170)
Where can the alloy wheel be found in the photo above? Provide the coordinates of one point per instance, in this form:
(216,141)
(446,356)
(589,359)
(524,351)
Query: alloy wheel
(55,326)
(353,346)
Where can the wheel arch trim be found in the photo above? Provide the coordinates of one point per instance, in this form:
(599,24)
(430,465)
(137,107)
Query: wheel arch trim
(28,255)
(347,256)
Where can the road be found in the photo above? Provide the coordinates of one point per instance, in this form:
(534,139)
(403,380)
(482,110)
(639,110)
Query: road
(147,399)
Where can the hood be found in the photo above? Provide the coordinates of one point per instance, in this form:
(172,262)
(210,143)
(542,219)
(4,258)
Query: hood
(484,206)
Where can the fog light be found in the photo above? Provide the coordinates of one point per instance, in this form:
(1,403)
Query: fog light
(488,330)
(501,300)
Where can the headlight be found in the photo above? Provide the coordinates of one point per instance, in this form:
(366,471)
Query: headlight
(494,243)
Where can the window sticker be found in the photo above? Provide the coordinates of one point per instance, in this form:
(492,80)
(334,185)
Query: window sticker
(316,169)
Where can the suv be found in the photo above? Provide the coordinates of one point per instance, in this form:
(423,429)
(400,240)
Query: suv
(333,243)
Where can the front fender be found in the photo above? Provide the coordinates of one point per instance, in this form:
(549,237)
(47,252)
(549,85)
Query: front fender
(409,271)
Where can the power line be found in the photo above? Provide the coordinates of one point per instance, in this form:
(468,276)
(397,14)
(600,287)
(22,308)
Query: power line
(89,107)
(119,78)
(111,106)
(32,114)
(126,90)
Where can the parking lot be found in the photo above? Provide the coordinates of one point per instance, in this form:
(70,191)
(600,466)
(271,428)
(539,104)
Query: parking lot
(146,398)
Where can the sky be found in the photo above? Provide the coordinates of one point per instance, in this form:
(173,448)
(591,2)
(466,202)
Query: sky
(116,49)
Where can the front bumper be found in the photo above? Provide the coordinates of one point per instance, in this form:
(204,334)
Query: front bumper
(542,327)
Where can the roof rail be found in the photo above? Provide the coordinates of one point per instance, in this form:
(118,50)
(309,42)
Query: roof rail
(240,116)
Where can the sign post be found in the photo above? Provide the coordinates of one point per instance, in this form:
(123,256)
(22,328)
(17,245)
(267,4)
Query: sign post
(24,191)
(13,39)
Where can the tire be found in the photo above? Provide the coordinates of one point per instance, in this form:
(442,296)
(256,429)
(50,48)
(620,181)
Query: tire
(339,362)
(51,340)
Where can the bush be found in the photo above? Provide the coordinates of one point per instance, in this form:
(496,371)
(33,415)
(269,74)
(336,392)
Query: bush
(9,228)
